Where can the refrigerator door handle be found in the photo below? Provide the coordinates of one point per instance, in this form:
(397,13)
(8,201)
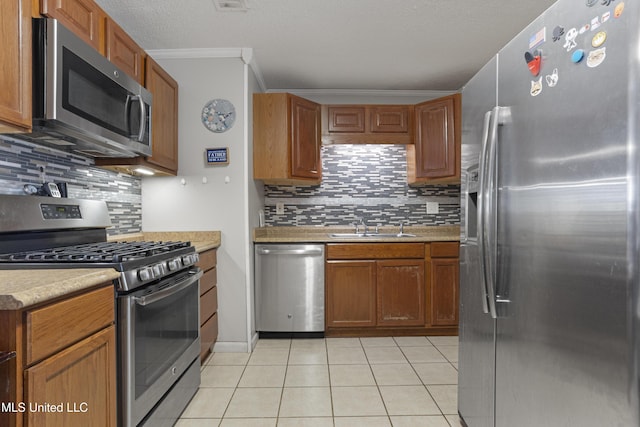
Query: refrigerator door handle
(482,191)
(490,217)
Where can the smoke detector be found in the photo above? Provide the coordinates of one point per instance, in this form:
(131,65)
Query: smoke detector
(231,5)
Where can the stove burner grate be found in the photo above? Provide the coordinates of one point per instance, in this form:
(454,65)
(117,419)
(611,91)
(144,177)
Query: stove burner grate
(102,252)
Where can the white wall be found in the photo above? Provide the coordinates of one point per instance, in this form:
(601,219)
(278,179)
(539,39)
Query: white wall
(213,197)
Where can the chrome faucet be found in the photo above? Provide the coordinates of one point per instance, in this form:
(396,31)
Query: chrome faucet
(401,227)
(364,225)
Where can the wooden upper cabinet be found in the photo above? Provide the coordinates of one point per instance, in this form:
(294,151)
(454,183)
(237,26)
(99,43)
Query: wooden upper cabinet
(15,62)
(84,17)
(346,119)
(367,124)
(286,139)
(123,51)
(389,119)
(305,138)
(164,117)
(435,157)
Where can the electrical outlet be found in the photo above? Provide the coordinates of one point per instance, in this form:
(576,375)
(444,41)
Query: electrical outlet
(433,208)
(279,208)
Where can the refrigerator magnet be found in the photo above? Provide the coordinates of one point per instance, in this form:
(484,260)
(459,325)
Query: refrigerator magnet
(570,39)
(599,39)
(618,10)
(596,57)
(536,87)
(552,79)
(558,32)
(533,62)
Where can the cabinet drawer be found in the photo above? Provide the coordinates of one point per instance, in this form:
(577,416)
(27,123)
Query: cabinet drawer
(445,249)
(208,304)
(56,326)
(208,259)
(374,250)
(208,280)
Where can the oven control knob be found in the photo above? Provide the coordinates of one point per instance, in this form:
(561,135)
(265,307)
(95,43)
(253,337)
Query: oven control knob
(174,264)
(190,259)
(145,274)
(158,270)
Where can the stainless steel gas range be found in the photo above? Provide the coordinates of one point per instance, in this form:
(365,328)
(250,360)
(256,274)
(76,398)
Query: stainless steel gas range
(157,297)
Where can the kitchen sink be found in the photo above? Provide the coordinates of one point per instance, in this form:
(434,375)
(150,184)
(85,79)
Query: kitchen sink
(369,235)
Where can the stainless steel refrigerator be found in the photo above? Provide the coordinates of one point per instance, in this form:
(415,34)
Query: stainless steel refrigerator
(549,299)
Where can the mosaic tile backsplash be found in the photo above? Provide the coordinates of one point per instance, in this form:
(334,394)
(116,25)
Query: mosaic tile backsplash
(24,163)
(362,181)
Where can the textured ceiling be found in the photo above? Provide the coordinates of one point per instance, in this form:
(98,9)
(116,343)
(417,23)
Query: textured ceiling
(339,44)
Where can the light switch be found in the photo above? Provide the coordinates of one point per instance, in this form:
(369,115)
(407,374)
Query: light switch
(279,208)
(433,208)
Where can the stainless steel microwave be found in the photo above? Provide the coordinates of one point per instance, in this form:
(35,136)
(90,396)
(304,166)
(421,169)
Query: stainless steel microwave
(81,101)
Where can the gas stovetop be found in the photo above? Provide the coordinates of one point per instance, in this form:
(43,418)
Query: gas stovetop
(54,233)
(116,253)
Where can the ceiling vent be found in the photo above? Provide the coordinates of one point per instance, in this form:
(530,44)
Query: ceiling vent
(231,5)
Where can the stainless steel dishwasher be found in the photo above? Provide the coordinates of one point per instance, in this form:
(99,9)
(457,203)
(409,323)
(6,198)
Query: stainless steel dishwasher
(289,289)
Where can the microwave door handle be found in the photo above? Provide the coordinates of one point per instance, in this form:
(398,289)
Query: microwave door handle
(143,113)
(127,111)
(165,293)
(143,122)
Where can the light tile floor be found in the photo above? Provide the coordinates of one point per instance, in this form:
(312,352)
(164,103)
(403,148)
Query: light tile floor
(332,382)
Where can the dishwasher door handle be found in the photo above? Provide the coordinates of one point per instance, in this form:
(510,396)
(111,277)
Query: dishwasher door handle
(313,251)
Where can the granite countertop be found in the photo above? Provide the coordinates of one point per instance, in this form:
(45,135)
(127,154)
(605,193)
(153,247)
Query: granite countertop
(23,288)
(321,234)
(201,240)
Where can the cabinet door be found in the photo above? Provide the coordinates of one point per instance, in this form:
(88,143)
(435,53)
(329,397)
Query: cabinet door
(346,119)
(83,17)
(444,291)
(164,116)
(123,51)
(15,62)
(351,293)
(389,119)
(400,292)
(82,378)
(437,150)
(305,138)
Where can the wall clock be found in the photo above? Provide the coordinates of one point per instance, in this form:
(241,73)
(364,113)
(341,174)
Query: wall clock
(218,115)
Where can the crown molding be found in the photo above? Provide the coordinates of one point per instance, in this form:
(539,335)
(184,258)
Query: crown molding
(244,53)
(369,92)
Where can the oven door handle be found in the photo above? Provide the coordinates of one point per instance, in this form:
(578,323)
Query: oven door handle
(165,293)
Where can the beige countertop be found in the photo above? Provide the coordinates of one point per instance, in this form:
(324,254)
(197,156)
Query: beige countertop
(322,234)
(201,240)
(23,288)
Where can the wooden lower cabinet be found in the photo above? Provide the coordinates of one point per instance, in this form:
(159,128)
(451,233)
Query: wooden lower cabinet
(443,283)
(391,289)
(351,293)
(208,302)
(64,372)
(400,295)
(80,381)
